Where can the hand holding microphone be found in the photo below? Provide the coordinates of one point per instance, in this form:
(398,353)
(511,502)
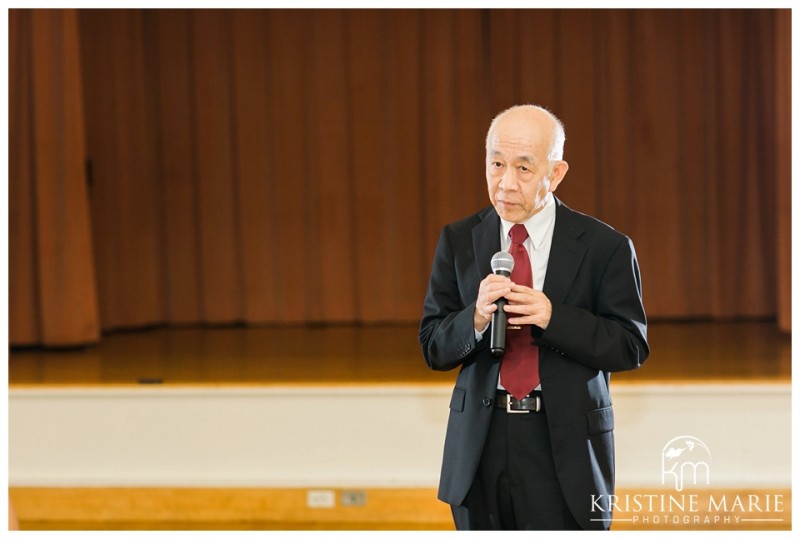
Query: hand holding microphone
(502,264)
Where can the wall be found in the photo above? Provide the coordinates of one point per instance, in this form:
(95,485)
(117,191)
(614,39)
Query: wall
(360,436)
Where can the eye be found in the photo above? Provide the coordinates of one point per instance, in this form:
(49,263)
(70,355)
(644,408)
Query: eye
(524,168)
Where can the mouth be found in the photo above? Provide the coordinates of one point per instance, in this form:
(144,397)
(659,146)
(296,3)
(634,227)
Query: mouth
(507,204)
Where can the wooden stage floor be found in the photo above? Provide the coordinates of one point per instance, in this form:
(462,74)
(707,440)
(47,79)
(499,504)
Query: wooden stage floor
(690,352)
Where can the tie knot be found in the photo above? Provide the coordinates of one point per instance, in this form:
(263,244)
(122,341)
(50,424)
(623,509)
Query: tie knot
(518,233)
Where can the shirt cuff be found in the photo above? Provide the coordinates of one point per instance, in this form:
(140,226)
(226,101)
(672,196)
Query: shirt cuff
(479,334)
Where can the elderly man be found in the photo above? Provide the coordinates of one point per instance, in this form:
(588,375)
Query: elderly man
(530,434)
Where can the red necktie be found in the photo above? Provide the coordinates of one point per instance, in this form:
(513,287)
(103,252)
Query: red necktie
(519,370)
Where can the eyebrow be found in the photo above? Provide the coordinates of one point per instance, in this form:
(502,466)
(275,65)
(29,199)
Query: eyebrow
(526,158)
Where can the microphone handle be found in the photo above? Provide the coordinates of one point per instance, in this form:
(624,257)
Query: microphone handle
(497,341)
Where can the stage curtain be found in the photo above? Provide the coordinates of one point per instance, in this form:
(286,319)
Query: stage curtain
(783,163)
(51,281)
(295,166)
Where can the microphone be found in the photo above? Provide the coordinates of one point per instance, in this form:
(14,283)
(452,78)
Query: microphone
(502,264)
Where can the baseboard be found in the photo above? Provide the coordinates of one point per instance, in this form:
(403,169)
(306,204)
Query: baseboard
(229,509)
(40,508)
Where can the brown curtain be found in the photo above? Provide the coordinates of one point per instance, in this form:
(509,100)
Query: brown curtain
(52,290)
(782,109)
(296,165)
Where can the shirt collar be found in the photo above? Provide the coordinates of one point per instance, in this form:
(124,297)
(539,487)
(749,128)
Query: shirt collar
(539,224)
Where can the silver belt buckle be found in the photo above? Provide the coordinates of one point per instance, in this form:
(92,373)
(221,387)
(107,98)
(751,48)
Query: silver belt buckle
(510,411)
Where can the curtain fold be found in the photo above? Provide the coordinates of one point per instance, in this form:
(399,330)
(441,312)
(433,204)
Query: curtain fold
(782,95)
(52,289)
(295,166)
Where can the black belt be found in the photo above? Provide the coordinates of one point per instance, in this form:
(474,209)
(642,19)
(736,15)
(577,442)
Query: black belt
(512,405)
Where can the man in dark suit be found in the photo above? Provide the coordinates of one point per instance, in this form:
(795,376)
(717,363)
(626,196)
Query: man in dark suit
(530,444)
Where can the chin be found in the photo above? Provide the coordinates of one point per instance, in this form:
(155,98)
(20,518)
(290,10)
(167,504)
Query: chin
(516,215)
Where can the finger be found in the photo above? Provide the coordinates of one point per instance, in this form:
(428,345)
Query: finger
(489,308)
(493,291)
(519,309)
(490,295)
(496,284)
(521,321)
(489,305)
(521,298)
(522,289)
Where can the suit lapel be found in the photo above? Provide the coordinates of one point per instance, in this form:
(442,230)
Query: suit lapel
(566,254)
(486,241)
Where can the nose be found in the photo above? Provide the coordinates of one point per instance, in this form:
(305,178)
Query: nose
(507,181)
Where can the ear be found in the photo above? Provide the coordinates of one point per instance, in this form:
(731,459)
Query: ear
(559,171)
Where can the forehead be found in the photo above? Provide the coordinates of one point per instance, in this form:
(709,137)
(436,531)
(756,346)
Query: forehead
(519,134)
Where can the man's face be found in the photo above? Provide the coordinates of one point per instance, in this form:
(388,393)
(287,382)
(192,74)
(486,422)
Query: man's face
(518,173)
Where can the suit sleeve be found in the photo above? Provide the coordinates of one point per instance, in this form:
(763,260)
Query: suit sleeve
(446,334)
(613,335)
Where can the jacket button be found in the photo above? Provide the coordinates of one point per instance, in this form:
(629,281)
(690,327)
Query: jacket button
(487,401)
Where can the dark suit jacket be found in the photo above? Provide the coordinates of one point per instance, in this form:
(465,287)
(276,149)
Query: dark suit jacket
(597,326)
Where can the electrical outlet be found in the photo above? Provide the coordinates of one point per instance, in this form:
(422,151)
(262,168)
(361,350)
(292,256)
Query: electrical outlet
(321,499)
(354,498)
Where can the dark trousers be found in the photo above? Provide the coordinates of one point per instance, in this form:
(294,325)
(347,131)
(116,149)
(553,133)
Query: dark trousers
(516,487)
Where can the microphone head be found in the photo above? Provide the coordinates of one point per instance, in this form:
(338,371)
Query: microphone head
(502,261)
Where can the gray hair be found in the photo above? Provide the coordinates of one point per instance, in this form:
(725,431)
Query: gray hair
(556,152)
